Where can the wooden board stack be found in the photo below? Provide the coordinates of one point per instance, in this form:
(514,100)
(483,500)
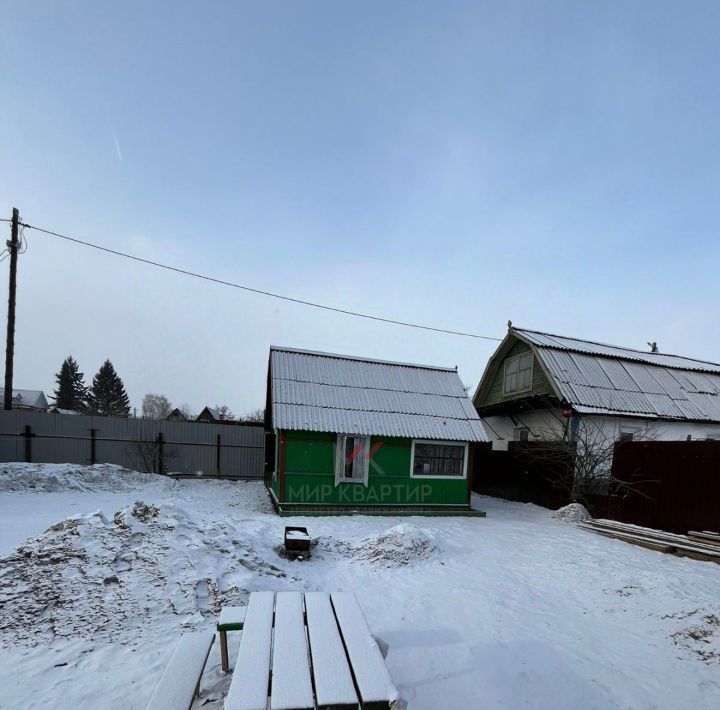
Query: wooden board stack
(703,545)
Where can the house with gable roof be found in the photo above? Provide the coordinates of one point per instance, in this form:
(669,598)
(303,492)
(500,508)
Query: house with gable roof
(536,384)
(348,434)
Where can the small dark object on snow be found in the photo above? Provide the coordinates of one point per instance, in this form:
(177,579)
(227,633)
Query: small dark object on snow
(297,540)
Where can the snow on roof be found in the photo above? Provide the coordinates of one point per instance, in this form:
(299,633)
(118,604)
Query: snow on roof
(599,378)
(314,391)
(27,398)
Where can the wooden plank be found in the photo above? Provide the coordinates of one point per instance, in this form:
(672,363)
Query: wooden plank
(231,618)
(372,679)
(291,684)
(705,541)
(251,677)
(334,687)
(677,548)
(178,684)
(637,530)
(712,538)
(648,544)
(670,538)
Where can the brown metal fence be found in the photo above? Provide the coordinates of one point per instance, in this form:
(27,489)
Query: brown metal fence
(143,444)
(669,485)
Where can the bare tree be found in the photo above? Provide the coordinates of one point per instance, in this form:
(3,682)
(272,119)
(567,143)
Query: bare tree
(144,455)
(577,458)
(156,406)
(224,412)
(257,416)
(186,409)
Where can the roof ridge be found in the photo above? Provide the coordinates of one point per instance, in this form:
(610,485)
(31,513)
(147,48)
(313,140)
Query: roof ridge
(609,345)
(339,356)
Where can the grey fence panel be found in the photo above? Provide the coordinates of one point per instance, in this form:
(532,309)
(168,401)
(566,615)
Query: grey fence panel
(187,447)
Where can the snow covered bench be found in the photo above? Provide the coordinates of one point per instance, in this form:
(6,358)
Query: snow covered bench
(305,651)
(232,618)
(181,680)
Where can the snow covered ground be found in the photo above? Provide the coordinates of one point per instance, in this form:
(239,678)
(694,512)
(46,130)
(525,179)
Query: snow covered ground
(516,610)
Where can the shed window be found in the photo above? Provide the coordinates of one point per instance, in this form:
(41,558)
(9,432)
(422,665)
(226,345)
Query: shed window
(521,433)
(439,459)
(518,374)
(352,459)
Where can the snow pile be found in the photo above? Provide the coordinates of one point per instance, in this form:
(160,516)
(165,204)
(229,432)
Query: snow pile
(400,545)
(573,513)
(23,477)
(91,577)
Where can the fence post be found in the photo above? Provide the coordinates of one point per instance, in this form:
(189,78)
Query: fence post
(161,462)
(217,456)
(93,454)
(28,443)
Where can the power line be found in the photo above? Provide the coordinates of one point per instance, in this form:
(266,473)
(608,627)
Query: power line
(256,290)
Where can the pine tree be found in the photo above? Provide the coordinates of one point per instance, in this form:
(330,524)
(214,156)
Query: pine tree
(71,392)
(108,397)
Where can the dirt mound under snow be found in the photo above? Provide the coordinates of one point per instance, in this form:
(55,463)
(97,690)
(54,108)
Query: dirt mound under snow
(573,513)
(400,545)
(49,478)
(91,577)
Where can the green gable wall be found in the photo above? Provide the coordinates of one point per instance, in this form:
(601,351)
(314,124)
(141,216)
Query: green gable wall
(310,475)
(540,384)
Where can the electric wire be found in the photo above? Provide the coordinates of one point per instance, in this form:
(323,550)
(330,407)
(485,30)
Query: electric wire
(250,289)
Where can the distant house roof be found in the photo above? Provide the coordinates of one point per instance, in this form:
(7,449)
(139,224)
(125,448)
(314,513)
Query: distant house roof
(27,399)
(315,391)
(596,378)
(176,415)
(209,413)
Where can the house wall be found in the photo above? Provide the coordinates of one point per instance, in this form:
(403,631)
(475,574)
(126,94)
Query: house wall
(309,475)
(540,383)
(540,422)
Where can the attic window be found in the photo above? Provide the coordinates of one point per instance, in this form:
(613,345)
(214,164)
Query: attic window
(518,374)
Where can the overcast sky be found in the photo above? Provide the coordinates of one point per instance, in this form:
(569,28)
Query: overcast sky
(456,164)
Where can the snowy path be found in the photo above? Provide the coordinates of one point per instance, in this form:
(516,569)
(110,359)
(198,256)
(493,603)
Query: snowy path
(512,611)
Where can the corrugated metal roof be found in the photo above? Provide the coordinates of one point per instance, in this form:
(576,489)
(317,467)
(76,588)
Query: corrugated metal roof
(560,342)
(27,398)
(326,392)
(606,379)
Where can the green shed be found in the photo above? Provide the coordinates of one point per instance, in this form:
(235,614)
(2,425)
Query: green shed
(349,434)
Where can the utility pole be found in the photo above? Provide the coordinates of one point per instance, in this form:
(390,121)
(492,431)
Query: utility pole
(12,245)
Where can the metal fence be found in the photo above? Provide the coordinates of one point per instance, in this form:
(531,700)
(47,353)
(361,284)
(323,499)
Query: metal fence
(671,485)
(141,444)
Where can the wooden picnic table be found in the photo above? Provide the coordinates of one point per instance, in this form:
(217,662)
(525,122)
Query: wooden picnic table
(301,651)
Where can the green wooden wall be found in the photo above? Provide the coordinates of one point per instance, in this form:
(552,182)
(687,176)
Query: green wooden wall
(310,475)
(540,385)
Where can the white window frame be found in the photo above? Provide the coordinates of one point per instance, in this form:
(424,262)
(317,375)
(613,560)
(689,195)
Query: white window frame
(529,354)
(465,446)
(634,431)
(340,459)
